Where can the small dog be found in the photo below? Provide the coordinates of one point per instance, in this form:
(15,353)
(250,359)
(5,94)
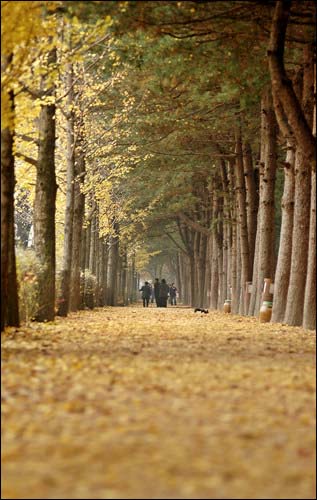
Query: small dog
(198,309)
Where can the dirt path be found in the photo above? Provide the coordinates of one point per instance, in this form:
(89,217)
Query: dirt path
(152,403)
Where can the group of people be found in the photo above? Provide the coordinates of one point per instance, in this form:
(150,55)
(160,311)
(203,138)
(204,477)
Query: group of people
(160,292)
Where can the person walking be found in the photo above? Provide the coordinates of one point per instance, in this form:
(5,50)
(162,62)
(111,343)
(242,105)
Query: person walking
(152,293)
(164,291)
(173,292)
(157,292)
(146,294)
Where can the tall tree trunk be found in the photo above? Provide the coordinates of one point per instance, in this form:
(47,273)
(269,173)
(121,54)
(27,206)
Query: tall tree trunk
(225,230)
(124,277)
(283,267)
(238,267)
(97,268)
(309,318)
(303,168)
(214,286)
(113,272)
(208,274)
(179,283)
(197,239)
(266,261)
(252,200)
(78,218)
(92,250)
(105,276)
(69,209)
(44,207)
(233,255)
(9,290)
(192,280)
(242,218)
(255,283)
(87,245)
(281,280)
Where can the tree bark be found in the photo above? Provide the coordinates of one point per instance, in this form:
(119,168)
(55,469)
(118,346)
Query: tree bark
(214,273)
(252,200)
(92,250)
(44,207)
(78,218)
(9,290)
(233,247)
(69,209)
(266,261)
(255,283)
(281,280)
(303,169)
(113,271)
(242,218)
(309,317)
(309,320)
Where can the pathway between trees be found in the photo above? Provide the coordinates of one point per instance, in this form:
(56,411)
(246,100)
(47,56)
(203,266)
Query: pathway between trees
(152,403)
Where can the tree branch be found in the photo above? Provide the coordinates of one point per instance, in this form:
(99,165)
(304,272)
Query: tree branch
(28,159)
(282,85)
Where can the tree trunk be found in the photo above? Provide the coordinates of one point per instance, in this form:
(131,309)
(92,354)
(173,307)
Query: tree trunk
(44,208)
(242,219)
(124,277)
(214,286)
(78,232)
(225,230)
(266,261)
(252,201)
(303,169)
(113,271)
(179,284)
(192,281)
(208,274)
(197,239)
(309,318)
(69,209)
(9,290)
(255,283)
(238,267)
(281,280)
(87,245)
(92,250)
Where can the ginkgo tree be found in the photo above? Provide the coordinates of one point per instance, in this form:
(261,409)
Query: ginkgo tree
(23,24)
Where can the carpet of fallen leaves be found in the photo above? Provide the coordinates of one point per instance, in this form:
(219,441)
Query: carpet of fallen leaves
(158,403)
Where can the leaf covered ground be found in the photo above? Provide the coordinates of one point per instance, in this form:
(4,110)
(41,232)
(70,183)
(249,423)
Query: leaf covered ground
(158,403)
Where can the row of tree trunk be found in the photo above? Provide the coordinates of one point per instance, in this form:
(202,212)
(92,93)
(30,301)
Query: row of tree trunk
(234,245)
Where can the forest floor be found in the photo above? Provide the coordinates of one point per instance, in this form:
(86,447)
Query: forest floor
(158,403)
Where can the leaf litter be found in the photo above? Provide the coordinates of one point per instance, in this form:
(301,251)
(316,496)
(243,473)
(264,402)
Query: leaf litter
(152,403)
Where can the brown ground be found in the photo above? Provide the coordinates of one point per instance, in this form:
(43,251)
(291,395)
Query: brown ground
(154,403)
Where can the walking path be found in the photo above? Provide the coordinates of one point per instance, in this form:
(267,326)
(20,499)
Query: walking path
(158,403)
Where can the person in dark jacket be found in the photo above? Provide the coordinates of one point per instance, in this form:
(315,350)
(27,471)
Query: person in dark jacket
(157,292)
(164,291)
(146,294)
(173,292)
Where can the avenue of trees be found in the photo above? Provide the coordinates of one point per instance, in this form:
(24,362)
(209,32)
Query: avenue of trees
(176,138)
